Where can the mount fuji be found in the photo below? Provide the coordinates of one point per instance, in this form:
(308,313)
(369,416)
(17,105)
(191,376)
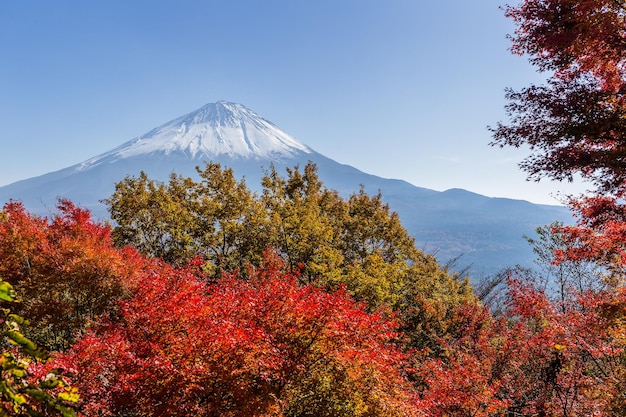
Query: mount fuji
(486,232)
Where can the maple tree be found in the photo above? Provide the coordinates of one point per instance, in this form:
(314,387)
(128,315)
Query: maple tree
(570,360)
(576,123)
(541,358)
(260,346)
(64,268)
(599,237)
(462,380)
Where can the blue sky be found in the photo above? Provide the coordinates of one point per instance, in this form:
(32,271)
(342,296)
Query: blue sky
(397,88)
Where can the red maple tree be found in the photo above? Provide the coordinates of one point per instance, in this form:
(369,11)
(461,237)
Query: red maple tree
(259,346)
(576,123)
(64,268)
(542,358)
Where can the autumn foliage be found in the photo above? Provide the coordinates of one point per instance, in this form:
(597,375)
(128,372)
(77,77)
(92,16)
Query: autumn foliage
(64,268)
(575,125)
(260,346)
(208,299)
(259,338)
(178,341)
(543,357)
(357,242)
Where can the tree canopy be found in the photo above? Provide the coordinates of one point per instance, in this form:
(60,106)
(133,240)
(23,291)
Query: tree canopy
(263,346)
(328,240)
(65,269)
(206,298)
(575,126)
(576,123)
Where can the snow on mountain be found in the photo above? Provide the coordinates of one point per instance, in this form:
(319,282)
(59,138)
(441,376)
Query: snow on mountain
(214,130)
(486,231)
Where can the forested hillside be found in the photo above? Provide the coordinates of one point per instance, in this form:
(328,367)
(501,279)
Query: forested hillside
(203,298)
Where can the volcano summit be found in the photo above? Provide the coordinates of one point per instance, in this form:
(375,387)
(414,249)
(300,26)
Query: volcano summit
(486,231)
(219,129)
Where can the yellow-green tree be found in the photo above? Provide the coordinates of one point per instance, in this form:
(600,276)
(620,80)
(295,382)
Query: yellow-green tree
(178,220)
(302,221)
(20,393)
(328,240)
(360,243)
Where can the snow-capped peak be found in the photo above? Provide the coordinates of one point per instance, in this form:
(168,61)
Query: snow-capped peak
(215,129)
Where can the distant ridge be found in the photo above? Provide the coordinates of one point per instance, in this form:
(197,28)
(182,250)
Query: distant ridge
(485,232)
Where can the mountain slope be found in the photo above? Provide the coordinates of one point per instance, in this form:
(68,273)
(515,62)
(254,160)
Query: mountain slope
(485,231)
(214,130)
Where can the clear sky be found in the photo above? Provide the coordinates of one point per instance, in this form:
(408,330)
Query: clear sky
(397,88)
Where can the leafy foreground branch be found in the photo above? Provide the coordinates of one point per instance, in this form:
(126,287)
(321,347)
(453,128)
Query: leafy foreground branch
(23,391)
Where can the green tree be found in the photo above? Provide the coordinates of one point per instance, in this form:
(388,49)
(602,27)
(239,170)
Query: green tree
(361,243)
(327,240)
(358,242)
(302,221)
(184,218)
(20,395)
